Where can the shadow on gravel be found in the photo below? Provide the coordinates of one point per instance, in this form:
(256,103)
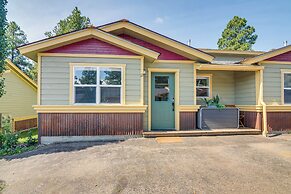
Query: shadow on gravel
(274,134)
(58,147)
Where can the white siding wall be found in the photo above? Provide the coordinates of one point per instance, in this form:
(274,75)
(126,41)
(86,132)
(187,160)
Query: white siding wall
(272,82)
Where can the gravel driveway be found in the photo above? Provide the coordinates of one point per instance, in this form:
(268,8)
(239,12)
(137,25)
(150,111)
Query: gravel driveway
(225,164)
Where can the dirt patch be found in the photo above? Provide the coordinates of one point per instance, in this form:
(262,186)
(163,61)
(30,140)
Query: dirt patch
(2,185)
(120,186)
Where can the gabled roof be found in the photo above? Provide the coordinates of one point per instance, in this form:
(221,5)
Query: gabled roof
(121,26)
(20,74)
(267,55)
(31,50)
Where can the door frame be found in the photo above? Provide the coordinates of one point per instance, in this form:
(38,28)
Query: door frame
(177,92)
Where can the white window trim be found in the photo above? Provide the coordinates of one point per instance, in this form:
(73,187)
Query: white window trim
(283,72)
(209,77)
(97,85)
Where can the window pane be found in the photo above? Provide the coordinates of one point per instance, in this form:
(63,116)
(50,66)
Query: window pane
(202,82)
(287,96)
(287,80)
(161,88)
(161,80)
(85,75)
(202,92)
(110,76)
(85,94)
(110,94)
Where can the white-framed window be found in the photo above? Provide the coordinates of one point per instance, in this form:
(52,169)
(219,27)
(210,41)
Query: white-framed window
(287,87)
(97,85)
(203,86)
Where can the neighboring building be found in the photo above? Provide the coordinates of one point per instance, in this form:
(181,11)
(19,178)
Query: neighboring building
(20,96)
(123,79)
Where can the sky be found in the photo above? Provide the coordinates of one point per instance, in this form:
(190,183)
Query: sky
(202,21)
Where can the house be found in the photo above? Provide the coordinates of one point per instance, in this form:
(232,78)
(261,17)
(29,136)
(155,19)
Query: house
(20,96)
(122,79)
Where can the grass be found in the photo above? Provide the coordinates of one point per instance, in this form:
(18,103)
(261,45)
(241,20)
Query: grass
(23,136)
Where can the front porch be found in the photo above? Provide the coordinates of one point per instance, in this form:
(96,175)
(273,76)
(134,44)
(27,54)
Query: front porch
(237,86)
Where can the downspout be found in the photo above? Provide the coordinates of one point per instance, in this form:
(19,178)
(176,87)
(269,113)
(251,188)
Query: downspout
(263,104)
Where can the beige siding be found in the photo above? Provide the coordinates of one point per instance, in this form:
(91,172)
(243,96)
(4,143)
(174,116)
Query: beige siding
(232,87)
(245,88)
(223,84)
(19,97)
(272,82)
(55,79)
(186,83)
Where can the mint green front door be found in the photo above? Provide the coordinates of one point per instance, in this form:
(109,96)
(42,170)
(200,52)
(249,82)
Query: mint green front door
(162,101)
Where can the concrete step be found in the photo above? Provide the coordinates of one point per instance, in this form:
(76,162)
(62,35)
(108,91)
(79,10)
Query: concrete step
(193,133)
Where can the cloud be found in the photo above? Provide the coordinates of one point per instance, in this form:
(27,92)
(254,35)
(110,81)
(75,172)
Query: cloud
(159,20)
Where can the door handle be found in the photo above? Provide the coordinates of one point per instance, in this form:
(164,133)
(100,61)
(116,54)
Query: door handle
(173,104)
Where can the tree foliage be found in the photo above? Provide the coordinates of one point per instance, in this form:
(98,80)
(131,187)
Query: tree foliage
(3,24)
(32,73)
(75,21)
(237,35)
(16,37)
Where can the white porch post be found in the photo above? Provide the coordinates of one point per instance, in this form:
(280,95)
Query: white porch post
(260,100)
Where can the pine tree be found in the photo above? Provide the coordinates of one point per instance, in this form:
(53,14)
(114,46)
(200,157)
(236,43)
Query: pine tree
(73,22)
(16,37)
(3,45)
(237,35)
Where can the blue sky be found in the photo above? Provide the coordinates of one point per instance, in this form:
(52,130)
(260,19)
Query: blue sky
(202,21)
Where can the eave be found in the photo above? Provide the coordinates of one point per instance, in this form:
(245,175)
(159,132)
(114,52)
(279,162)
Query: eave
(232,52)
(172,45)
(20,74)
(31,50)
(228,67)
(266,55)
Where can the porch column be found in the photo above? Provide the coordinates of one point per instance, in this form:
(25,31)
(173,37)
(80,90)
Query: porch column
(260,100)
(259,87)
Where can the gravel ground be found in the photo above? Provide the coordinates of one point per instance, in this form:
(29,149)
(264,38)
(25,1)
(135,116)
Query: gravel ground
(225,164)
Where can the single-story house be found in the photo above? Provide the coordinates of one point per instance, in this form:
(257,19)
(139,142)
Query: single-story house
(123,79)
(20,96)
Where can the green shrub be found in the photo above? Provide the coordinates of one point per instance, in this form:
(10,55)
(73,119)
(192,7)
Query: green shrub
(215,101)
(9,140)
(1,139)
(31,140)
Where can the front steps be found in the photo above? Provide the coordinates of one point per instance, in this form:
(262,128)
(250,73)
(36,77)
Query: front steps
(193,133)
